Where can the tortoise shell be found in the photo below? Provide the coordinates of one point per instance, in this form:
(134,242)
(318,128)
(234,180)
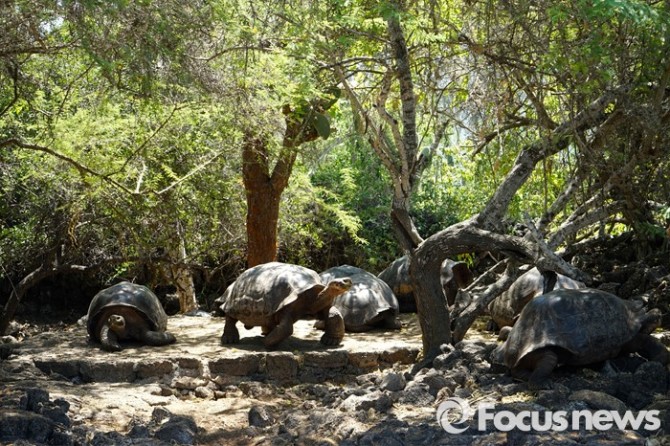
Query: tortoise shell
(127,296)
(506,308)
(590,325)
(261,291)
(368,300)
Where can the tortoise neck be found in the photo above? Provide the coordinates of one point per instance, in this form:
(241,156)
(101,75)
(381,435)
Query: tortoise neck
(326,297)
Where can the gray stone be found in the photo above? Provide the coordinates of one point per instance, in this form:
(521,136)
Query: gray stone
(598,400)
(435,381)
(364,360)
(417,394)
(139,431)
(402,355)
(241,366)
(24,425)
(153,368)
(475,350)
(188,383)
(653,376)
(515,438)
(259,417)
(190,366)
(281,366)
(108,439)
(393,382)
(376,400)
(447,361)
(204,392)
(56,414)
(257,390)
(160,414)
(68,369)
(179,430)
(329,360)
(33,399)
(554,398)
(109,371)
(369,379)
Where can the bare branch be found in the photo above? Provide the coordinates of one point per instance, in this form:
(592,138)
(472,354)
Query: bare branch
(581,219)
(83,170)
(592,116)
(559,204)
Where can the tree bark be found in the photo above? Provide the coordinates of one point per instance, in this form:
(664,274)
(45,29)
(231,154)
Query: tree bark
(406,143)
(181,275)
(263,192)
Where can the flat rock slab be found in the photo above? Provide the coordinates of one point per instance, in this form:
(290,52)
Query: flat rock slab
(199,353)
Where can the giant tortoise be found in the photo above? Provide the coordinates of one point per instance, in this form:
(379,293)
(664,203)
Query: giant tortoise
(127,311)
(453,276)
(505,309)
(275,295)
(368,304)
(576,327)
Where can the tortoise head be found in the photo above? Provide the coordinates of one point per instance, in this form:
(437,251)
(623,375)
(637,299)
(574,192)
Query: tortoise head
(504,333)
(339,286)
(116,323)
(498,354)
(651,321)
(333,289)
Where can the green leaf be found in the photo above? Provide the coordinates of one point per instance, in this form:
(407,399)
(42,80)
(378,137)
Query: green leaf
(322,125)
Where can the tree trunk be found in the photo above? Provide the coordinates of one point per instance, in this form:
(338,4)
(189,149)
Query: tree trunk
(425,274)
(263,188)
(262,221)
(469,236)
(263,194)
(181,275)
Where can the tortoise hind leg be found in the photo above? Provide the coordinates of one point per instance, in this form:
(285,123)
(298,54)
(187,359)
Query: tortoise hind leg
(537,368)
(230,334)
(157,338)
(391,322)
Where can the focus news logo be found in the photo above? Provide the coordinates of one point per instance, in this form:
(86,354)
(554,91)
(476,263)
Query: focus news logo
(454,413)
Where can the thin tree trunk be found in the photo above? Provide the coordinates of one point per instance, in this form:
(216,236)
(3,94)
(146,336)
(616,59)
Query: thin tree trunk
(181,275)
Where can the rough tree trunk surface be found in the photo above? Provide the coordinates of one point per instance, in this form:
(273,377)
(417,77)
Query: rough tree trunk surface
(263,195)
(181,274)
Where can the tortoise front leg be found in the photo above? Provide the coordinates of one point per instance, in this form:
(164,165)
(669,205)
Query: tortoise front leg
(281,331)
(334,328)
(392,322)
(109,340)
(157,338)
(230,334)
(648,347)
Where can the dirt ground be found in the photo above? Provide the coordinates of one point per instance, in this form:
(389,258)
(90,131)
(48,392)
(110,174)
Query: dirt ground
(114,391)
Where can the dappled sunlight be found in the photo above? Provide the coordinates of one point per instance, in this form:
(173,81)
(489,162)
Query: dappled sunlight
(200,337)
